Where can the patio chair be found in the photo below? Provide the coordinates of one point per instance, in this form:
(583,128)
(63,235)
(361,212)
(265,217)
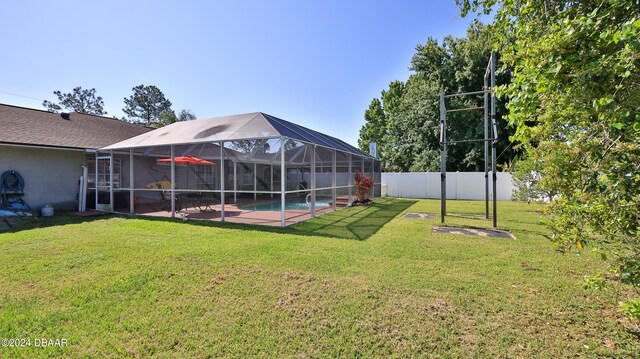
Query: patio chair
(165,194)
(205,201)
(166,199)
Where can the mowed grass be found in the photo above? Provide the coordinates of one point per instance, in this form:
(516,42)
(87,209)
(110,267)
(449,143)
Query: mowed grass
(360,282)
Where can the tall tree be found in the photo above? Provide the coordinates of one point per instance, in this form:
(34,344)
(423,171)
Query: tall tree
(377,127)
(574,104)
(406,120)
(148,106)
(79,100)
(186,115)
(374,126)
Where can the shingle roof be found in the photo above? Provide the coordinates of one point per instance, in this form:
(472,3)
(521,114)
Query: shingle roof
(230,128)
(20,125)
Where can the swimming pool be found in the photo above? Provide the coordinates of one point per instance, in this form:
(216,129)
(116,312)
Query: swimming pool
(290,204)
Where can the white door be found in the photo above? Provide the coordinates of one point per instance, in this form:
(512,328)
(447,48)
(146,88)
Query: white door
(103,184)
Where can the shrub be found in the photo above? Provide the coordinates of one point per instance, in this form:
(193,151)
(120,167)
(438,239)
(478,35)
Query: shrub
(363,185)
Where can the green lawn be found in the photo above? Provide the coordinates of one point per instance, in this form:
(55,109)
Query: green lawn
(359,282)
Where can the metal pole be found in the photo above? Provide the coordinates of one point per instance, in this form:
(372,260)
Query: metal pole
(173,183)
(271,186)
(222,181)
(486,148)
(466,93)
(255,181)
(467,141)
(235,182)
(495,136)
(283,180)
(466,109)
(443,159)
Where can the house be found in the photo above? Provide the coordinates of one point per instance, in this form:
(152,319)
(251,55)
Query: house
(49,149)
(247,168)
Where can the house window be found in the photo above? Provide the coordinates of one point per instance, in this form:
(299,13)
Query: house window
(205,177)
(247,179)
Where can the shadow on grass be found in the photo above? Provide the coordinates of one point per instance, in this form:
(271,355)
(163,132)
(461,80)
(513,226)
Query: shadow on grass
(354,222)
(357,223)
(60,219)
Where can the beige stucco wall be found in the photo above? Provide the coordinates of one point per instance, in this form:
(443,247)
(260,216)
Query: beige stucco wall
(50,175)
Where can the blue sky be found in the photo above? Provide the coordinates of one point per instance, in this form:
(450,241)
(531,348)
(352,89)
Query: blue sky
(316,63)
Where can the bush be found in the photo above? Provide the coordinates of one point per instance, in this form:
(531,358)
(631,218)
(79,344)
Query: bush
(363,185)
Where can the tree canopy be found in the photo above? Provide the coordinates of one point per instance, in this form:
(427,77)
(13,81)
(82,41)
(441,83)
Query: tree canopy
(186,115)
(573,102)
(148,106)
(405,121)
(79,100)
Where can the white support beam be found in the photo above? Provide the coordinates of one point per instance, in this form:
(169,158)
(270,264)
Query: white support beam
(222,181)
(350,183)
(96,180)
(111,204)
(173,182)
(333,180)
(312,202)
(283,180)
(132,194)
(235,182)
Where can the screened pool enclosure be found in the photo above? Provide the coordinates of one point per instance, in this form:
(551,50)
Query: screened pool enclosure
(250,168)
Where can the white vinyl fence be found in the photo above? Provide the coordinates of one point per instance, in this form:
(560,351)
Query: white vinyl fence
(460,185)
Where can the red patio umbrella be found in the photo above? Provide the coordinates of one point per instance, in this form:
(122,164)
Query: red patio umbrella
(187,160)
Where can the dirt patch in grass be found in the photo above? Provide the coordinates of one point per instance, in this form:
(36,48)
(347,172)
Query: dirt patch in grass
(493,233)
(287,298)
(217,280)
(419,215)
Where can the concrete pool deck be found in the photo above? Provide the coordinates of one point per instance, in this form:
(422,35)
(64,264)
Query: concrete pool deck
(233,213)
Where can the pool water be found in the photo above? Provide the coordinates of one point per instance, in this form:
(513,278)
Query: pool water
(290,204)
